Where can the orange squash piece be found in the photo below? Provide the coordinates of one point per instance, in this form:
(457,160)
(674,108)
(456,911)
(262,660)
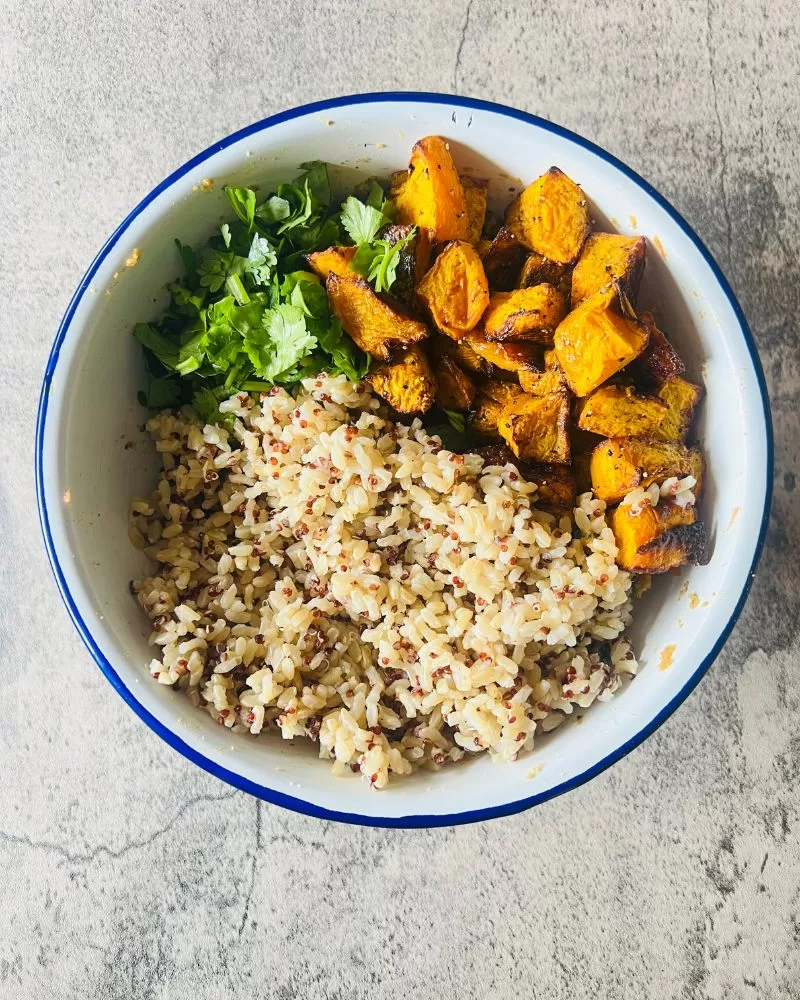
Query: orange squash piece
(455,291)
(659,538)
(608,257)
(680,397)
(508,356)
(597,339)
(541,383)
(502,260)
(619,465)
(539,270)
(524,314)
(476,191)
(490,401)
(334,260)
(407,382)
(431,194)
(461,353)
(374,324)
(456,390)
(619,411)
(551,216)
(535,427)
(659,360)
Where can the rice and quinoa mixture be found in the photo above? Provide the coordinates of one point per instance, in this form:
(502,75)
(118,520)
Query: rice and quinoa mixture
(332,574)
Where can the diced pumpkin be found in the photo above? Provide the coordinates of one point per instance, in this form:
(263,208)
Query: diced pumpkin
(538,270)
(407,382)
(658,538)
(460,352)
(658,362)
(490,401)
(502,260)
(598,339)
(476,191)
(374,324)
(509,355)
(524,314)
(608,257)
(456,390)
(334,260)
(454,291)
(619,465)
(551,216)
(551,361)
(619,411)
(415,258)
(542,383)
(556,483)
(680,397)
(431,194)
(535,427)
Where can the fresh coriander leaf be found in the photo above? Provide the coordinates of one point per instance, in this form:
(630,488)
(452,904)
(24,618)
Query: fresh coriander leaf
(319,185)
(243,201)
(214,268)
(206,404)
(457,421)
(260,260)
(363,259)
(347,358)
(295,278)
(376,196)
(165,350)
(187,256)
(225,231)
(362,222)
(281,343)
(274,209)
(160,393)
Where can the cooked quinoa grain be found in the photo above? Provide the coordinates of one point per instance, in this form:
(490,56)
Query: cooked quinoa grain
(330,574)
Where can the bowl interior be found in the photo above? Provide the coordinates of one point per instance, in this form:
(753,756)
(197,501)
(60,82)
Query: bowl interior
(94,456)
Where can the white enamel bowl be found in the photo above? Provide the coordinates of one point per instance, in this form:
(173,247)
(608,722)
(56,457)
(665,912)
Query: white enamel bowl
(92,457)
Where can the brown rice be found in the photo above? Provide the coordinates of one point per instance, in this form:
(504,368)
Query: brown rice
(331,574)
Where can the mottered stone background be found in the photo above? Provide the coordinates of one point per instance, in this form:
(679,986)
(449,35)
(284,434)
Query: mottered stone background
(131,874)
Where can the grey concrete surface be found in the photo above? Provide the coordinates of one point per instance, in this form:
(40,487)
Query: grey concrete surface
(129,873)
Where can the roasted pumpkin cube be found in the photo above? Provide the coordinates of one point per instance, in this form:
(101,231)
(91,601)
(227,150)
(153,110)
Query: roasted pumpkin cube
(680,397)
(551,216)
(524,314)
(535,427)
(497,453)
(455,291)
(407,383)
(619,411)
(476,191)
(556,486)
(658,539)
(608,257)
(538,270)
(456,390)
(550,359)
(334,260)
(460,352)
(375,324)
(431,194)
(542,383)
(598,339)
(490,401)
(508,355)
(415,258)
(502,260)
(556,483)
(658,362)
(619,465)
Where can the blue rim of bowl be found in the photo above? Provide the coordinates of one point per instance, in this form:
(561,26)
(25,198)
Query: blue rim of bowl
(289,801)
